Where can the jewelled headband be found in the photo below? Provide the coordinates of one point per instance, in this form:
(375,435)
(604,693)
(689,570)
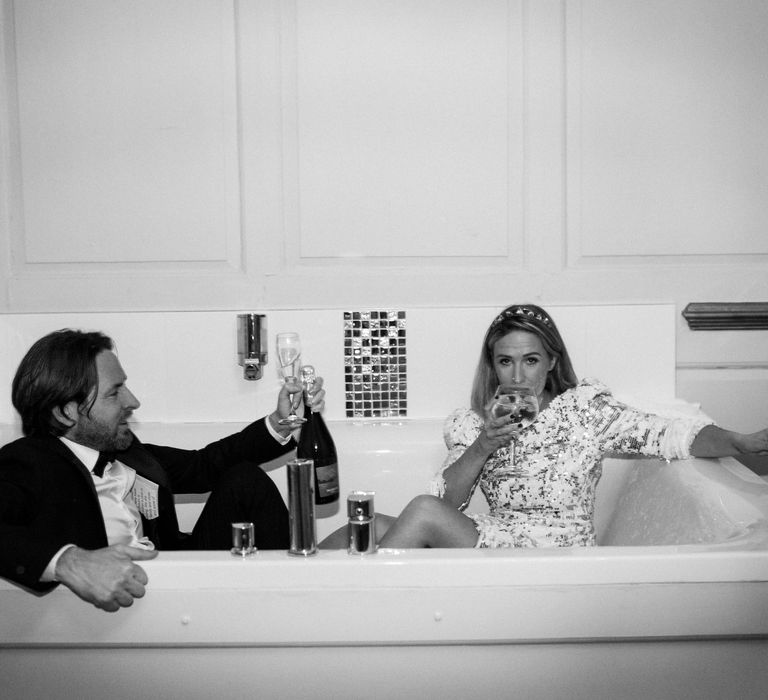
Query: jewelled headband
(524,312)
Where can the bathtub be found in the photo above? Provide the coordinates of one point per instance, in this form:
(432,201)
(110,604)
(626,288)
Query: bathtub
(672,603)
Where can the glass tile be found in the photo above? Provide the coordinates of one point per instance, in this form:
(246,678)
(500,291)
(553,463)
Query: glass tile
(375,363)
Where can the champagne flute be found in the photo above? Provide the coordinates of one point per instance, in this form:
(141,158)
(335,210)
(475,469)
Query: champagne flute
(289,360)
(519,402)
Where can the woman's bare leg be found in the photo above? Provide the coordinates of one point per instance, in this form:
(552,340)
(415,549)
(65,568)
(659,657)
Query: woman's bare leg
(428,521)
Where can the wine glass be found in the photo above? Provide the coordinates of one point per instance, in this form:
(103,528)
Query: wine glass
(289,360)
(519,402)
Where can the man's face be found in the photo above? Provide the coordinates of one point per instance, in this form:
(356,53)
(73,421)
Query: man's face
(105,427)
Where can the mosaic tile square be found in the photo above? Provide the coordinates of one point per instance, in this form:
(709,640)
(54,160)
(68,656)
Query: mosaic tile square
(375,365)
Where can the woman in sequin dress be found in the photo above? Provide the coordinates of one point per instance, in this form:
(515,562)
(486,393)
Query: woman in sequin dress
(548,498)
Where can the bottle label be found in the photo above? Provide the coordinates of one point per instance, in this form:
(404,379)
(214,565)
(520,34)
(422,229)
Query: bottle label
(327,480)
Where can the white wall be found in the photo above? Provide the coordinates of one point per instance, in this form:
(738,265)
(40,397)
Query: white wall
(192,155)
(183,365)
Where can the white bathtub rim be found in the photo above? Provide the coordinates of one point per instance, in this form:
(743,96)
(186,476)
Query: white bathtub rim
(456,568)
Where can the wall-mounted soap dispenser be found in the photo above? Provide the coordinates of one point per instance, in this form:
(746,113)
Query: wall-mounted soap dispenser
(252,344)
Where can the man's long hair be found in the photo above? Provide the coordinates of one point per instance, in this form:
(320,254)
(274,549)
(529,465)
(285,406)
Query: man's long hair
(57,369)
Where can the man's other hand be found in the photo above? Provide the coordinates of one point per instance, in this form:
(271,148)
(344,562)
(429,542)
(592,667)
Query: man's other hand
(106,577)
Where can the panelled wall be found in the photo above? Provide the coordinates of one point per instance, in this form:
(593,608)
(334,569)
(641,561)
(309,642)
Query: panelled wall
(263,154)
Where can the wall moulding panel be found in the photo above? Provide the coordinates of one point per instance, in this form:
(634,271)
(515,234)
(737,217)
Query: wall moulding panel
(127,139)
(666,153)
(403,132)
(7,130)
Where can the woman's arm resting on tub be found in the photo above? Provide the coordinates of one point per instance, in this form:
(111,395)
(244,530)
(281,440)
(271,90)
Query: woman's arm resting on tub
(712,441)
(460,477)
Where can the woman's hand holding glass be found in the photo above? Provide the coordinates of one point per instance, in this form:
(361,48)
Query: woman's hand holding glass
(499,432)
(517,406)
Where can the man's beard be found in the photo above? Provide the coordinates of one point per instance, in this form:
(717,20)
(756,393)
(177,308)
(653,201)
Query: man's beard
(93,434)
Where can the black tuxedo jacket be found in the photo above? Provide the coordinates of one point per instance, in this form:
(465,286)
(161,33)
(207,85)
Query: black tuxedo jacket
(47,496)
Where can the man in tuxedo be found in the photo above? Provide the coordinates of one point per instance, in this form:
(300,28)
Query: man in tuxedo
(82,500)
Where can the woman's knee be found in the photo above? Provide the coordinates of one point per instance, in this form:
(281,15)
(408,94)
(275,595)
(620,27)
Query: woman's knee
(425,507)
(442,524)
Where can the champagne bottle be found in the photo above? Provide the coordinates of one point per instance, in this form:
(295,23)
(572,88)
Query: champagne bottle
(316,443)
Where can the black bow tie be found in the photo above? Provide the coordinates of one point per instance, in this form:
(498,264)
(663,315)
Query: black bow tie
(104,459)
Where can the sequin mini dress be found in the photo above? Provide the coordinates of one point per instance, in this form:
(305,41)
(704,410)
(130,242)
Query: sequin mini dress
(547,498)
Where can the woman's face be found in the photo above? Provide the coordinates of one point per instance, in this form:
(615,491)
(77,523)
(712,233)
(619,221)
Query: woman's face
(519,357)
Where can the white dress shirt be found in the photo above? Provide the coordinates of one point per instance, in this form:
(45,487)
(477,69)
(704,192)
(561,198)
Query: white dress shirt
(121,516)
